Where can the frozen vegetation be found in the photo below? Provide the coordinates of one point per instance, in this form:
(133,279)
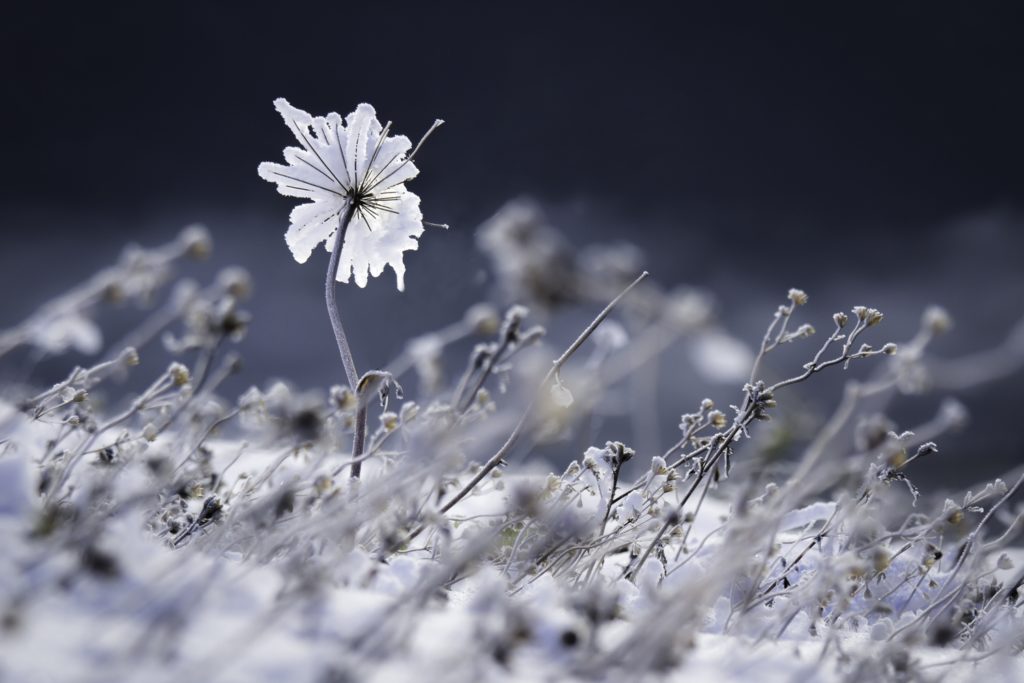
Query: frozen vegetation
(358,534)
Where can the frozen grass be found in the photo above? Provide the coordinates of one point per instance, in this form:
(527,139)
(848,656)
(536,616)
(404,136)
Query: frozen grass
(177,535)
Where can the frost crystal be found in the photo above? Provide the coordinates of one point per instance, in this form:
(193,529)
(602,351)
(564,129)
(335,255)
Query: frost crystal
(344,164)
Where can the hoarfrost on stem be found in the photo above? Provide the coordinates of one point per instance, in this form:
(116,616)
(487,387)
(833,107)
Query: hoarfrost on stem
(349,164)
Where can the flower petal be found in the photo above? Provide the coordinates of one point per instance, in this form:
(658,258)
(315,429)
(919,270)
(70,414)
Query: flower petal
(363,133)
(370,246)
(311,224)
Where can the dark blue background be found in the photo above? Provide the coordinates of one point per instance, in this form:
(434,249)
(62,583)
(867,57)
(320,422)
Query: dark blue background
(869,153)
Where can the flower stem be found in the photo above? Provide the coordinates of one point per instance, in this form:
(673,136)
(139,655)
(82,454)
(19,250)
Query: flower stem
(359,440)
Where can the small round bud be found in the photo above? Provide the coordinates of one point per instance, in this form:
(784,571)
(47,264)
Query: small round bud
(890,349)
(129,357)
(196,241)
(954,413)
(482,318)
(235,281)
(322,484)
(343,398)
(178,374)
(936,320)
(389,421)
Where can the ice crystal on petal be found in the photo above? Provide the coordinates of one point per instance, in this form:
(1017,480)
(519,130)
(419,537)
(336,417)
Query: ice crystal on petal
(345,162)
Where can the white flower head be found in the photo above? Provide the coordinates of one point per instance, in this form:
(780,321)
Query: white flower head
(350,165)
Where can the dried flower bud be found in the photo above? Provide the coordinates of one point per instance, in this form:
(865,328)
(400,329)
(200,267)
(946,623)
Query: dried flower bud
(196,241)
(343,398)
(936,320)
(178,374)
(840,319)
(890,349)
(717,419)
(129,357)
(707,404)
(870,316)
(482,318)
(235,281)
(797,296)
(881,560)
(617,453)
(954,413)
(389,421)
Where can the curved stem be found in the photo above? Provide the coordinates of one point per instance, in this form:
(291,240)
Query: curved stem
(332,301)
(359,440)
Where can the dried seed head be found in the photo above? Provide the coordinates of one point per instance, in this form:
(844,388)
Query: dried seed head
(196,242)
(797,296)
(235,281)
(389,421)
(840,319)
(343,398)
(323,484)
(482,318)
(874,317)
(129,357)
(936,320)
(178,374)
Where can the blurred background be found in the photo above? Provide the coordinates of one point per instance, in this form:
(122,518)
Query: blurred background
(869,154)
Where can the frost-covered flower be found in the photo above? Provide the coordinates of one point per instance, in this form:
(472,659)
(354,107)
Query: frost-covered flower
(344,165)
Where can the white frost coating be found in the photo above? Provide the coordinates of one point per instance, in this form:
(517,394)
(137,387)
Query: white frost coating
(342,161)
(815,512)
(69,331)
(561,396)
